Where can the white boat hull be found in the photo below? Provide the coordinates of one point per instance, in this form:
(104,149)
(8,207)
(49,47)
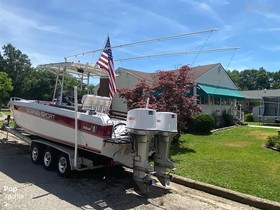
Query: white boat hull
(57,124)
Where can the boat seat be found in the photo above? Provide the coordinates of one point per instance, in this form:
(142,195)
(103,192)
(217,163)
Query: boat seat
(98,103)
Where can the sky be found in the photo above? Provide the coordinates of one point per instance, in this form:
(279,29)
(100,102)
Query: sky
(50,30)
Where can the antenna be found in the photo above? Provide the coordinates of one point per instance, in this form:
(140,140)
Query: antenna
(178,53)
(145,41)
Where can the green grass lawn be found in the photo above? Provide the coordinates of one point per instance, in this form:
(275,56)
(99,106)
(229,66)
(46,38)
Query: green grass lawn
(5,112)
(235,159)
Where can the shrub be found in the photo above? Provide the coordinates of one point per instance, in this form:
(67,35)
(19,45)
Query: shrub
(203,123)
(273,141)
(270,141)
(228,119)
(218,120)
(249,117)
(277,145)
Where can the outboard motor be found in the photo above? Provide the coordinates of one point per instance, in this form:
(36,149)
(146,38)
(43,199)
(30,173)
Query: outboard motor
(167,129)
(142,123)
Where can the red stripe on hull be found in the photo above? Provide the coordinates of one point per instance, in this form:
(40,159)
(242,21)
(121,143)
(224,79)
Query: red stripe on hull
(102,131)
(60,140)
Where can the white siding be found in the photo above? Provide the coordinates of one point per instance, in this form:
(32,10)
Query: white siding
(124,80)
(216,77)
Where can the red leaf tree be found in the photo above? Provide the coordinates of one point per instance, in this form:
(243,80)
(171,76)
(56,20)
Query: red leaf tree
(172,93)
(137,97)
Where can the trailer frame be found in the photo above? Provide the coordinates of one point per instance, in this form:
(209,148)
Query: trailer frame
(57,149)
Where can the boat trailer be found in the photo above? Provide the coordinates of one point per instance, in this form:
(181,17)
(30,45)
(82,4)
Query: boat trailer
(147,133)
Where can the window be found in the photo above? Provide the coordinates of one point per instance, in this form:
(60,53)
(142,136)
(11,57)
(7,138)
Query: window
(203,100)
(217,101)
(226,101)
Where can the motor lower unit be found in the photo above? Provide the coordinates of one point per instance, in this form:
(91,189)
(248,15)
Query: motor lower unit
(153,133)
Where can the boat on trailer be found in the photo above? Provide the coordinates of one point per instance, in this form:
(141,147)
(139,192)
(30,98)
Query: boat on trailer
(83,136)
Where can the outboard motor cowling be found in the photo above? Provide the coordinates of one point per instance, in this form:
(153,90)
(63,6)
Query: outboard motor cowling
(167,129)
(142,123)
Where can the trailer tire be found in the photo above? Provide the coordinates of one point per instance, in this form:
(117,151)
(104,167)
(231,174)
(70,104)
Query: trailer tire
(36,153)
(49,159)
(63,165)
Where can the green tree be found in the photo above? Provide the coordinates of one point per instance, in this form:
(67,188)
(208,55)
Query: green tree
(5,88)
(17,65)
(40,83)
(235,77)
(275,77)
(262,79)
(251,79)
(69,83)
(248,79)
(29,82)
(91,88)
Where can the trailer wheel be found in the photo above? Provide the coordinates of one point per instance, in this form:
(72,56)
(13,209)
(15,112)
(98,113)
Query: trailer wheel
(36,153)
(63,165)
(49,159)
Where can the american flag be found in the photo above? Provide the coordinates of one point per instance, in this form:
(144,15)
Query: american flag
(106,62)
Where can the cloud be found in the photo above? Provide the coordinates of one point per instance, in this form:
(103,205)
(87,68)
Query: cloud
(38,58)
(272,16)
(273,29)
(135,17)
(272,48)
(135,23)
(218,2)
(13,21)
(267,29)
(264,9)
(204,8)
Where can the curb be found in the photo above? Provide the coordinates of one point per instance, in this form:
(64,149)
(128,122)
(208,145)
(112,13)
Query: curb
(228,194)
(224,128)
(262,126)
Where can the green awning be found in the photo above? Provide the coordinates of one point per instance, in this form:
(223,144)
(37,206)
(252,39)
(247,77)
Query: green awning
(220,92)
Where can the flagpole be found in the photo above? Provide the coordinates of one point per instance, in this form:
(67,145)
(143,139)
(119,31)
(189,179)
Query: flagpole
(106,39)
(106,63)
(104,44)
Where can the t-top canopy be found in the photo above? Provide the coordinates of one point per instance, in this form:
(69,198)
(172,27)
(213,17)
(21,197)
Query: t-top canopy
(76,68)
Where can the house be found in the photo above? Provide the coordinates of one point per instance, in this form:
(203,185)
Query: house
(216,91)
(264,104)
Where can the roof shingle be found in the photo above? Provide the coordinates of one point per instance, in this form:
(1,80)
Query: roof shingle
(152,77)
(259,94)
